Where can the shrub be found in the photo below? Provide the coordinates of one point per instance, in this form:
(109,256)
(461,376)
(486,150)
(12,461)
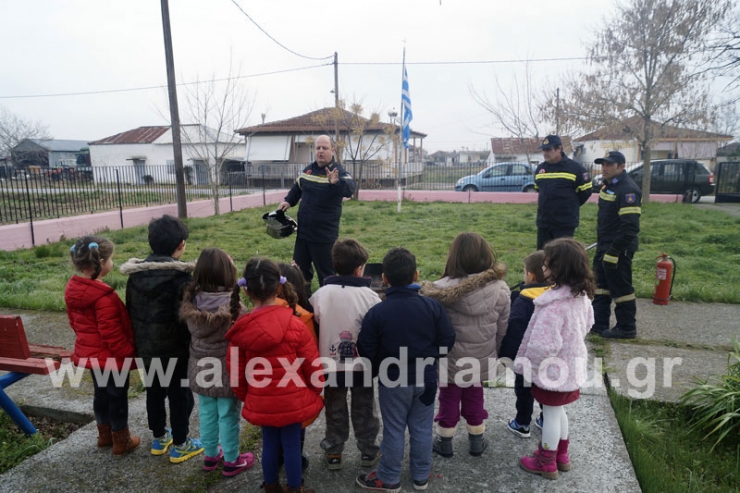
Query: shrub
(716,406)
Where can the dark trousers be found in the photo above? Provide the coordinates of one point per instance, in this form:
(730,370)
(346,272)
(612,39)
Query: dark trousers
(544,235)
(614,284)
(307,252)
(289,437)
(110,402)
(524,401)
(179,395)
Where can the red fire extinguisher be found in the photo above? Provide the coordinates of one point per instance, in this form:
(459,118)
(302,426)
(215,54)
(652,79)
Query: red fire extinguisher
(665,273)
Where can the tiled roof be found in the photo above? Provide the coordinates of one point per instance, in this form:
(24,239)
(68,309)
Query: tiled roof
(141,135)
(315,122)
(510,146)
(661,132)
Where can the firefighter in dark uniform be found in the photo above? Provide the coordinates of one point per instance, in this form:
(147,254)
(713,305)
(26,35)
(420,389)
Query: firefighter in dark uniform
(617,226)
(321,188)
(564,186)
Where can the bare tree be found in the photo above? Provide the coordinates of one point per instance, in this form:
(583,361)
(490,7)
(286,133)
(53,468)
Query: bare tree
(644,63)
(516,110)
(216,108)
(724,49)
(14,129)
(362,140)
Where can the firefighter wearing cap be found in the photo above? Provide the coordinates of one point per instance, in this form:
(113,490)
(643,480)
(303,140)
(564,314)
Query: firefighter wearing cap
(617,226)
(564,186)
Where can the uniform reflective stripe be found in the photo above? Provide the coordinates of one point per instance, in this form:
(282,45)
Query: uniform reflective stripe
(611,259)
(609,197)
(630,210)
(599,291)
(566,176)
(584,187)
(313,178)
(627,297)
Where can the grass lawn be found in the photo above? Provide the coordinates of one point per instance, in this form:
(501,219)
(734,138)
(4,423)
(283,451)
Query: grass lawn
(704,244)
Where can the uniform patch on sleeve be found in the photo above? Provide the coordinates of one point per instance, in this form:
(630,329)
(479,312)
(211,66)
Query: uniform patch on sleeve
(630,198)
(586,177)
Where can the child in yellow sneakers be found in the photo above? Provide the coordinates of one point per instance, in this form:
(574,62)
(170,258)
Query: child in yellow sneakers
(153,294)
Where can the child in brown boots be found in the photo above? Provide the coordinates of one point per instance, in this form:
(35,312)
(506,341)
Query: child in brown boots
(104,342)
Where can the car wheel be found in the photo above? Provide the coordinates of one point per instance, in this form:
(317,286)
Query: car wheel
(529,189)
(470,188)
(692,195)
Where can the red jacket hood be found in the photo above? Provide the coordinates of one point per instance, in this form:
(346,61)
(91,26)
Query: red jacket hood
(267,328)
(83,293)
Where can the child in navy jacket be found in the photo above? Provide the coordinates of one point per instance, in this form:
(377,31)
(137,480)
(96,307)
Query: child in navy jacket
(522,307)
(408,331)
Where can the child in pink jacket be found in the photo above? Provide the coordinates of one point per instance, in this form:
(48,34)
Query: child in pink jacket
(553,353)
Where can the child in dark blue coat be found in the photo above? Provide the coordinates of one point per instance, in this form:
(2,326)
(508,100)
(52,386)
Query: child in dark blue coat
(522,307)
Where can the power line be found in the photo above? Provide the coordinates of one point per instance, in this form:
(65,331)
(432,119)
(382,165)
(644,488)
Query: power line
(147,88)
(275,40)
(475,62)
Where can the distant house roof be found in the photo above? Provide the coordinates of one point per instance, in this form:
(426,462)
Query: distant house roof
(141,135)
(315,122)
(662,132)
(60,145)
(729,150)
(512,146)
(191,133)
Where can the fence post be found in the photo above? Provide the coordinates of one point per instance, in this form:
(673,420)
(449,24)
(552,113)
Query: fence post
(30,211)
(264,198)
(231,198)
(120,202)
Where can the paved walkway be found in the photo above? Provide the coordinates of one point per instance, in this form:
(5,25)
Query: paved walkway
(698,334)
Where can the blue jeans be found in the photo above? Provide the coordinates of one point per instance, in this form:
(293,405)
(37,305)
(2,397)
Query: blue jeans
(290,438)
(401,407)
(219,418)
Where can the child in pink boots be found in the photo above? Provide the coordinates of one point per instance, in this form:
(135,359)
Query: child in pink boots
(553,352)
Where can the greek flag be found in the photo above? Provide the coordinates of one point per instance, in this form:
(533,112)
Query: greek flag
(408,115)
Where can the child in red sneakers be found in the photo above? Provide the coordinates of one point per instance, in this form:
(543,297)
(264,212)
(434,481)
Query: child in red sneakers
(206,308)
(553,353)
(278,368)
(104,340)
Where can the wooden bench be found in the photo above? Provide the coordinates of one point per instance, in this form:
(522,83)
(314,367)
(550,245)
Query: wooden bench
(21,359)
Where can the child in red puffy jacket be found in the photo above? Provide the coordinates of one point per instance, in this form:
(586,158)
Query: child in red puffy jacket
(279,373)
(104,342)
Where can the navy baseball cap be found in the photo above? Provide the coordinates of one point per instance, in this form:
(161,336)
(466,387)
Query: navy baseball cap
(613,157)
(551,141)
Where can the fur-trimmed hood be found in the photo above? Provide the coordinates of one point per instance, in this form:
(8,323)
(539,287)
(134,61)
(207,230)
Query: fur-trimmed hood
(449,291)
(478,307)
(155,262)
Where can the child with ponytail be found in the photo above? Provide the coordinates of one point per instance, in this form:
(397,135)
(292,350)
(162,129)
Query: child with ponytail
(104,340)
(278,369)
(206,308)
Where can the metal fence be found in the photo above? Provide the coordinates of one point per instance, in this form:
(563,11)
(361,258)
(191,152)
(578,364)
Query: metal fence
(52,193)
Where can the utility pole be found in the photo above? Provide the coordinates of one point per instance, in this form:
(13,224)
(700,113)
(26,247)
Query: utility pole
(336,105)
(182,208)
(557,112)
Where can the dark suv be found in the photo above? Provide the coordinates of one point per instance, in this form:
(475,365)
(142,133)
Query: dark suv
(679,176)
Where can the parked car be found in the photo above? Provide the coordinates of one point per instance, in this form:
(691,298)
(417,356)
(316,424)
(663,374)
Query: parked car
(679,176)
(501,177)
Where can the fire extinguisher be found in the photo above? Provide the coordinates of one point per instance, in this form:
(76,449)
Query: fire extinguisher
(665,273)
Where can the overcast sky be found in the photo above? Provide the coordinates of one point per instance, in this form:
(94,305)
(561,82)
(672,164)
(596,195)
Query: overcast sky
(51,47)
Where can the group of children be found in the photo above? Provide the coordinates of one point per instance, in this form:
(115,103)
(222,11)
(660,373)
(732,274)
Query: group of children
(276,360)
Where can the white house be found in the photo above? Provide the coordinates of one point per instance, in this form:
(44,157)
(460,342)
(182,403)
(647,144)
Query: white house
(670,142)
(146,154)
(282,148)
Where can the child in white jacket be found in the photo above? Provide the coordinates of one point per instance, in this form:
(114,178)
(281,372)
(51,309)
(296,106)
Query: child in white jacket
(553,353)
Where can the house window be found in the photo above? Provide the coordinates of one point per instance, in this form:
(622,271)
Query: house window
(170,166)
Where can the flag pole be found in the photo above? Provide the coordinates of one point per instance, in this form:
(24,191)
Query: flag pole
(400,131)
